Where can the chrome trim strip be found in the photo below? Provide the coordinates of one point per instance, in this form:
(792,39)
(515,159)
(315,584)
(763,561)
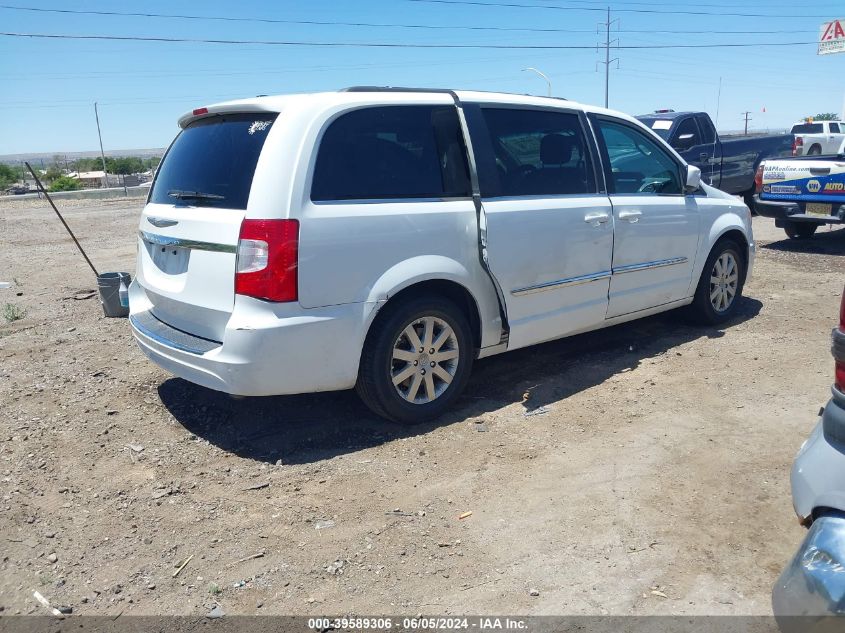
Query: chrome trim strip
(571,281)
(163,240)
(158,338)
(660,263)
(161,222)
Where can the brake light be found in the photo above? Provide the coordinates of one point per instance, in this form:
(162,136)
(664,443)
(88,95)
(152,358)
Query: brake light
(199,111)
(758,179)
(268,253)
(797,144)
(839,348)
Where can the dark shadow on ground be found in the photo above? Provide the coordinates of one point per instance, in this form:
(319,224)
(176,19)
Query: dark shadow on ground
(312,427)
(826,241)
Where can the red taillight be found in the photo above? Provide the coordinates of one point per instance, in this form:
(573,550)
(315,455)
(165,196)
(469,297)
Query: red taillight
(268,252)
(199,111)
(758,179)
(798,142)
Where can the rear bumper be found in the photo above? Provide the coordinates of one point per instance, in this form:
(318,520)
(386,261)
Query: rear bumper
(819,468)
(267,349)
(810,593)
(792,212)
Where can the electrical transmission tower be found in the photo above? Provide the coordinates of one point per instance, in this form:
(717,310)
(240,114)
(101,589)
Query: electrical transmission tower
(607,44)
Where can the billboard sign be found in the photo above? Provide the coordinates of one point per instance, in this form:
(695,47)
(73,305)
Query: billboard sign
(832,37)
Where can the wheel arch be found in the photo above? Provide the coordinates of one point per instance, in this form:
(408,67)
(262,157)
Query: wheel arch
(443,277)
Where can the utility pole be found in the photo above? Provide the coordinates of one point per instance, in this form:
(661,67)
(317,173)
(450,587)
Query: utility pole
(607,61)
(747,119)
(102,153)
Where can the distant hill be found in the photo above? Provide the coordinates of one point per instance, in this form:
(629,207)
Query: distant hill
(47,157)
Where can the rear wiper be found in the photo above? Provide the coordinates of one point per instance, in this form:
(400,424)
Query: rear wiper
(193,195)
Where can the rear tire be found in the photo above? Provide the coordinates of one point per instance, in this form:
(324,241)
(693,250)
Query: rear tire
(815,150)
(400,378)
(800,230)
(720,285)
(748,198)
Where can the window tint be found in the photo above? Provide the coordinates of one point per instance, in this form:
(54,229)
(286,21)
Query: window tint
(215,156)
(834,128)
(687,134)
(392,152)
(538,152)
(807,128)
(708,132)
(637,164)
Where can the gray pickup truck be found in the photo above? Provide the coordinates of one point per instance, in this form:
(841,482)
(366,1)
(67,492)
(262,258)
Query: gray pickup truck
(727,162)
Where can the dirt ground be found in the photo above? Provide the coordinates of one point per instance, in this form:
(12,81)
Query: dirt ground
(656,483)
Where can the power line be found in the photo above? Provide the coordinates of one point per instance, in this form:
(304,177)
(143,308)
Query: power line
(134,38)
(660,11)
(176,16)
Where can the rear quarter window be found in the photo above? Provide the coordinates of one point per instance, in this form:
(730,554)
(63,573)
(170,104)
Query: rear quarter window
(392,152)
(212,161)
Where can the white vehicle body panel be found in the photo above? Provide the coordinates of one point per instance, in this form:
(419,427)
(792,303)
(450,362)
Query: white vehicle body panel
(557,259)
(828,141)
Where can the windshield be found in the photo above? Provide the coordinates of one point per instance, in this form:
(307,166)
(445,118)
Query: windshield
(212,162)
(807,128)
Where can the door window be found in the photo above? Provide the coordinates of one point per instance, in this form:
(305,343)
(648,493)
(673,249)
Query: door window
(637,163)
(687,135)
(834,128)
(538,153)
(392,152)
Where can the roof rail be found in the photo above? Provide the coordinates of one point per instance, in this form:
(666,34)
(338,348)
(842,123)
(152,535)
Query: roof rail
(434,90)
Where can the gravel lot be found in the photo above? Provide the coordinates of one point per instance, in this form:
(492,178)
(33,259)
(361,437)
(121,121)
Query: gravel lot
(657,483)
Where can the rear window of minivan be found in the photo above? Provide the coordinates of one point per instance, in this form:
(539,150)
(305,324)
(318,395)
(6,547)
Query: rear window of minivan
(212,162)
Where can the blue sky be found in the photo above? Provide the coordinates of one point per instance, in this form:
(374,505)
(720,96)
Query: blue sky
(49,86)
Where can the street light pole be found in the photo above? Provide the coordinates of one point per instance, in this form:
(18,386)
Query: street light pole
(102,153)
(543,75)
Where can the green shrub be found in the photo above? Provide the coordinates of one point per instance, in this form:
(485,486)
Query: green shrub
(11,312)
(65,183)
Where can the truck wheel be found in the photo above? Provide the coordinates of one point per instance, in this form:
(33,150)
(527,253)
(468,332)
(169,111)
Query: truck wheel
(815,150)
(720,285)
(748,199)
(800,230)
(416,360)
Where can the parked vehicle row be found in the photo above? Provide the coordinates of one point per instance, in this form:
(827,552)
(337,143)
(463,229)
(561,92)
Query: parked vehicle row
(726,162)
(386,238)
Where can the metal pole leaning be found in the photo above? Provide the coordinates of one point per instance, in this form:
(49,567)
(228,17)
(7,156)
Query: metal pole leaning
(50,200)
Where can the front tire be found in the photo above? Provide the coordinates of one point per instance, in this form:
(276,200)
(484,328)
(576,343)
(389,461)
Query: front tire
(416,360)
(800,230)
(720,285)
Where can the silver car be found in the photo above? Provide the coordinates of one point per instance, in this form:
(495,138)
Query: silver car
(811,590)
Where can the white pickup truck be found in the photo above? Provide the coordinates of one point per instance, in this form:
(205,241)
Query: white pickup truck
(816,138)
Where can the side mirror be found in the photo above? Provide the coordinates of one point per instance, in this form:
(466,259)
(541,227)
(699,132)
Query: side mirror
(693,179)
(684,141)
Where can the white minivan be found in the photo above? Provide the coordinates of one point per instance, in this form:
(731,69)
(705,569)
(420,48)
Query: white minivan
(385,238)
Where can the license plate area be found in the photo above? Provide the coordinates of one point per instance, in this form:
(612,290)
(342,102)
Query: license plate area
(818,209)
(170,260)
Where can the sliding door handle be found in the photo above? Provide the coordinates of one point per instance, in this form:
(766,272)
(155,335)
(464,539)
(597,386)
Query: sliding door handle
(597,217)
(630,216)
